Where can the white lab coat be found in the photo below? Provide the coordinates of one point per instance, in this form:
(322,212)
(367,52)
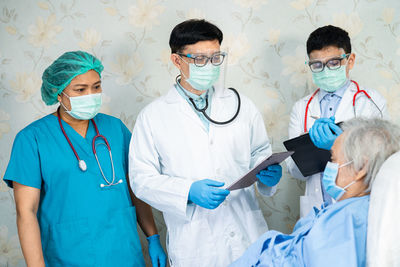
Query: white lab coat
(383,245)
(364,108)
(170,149)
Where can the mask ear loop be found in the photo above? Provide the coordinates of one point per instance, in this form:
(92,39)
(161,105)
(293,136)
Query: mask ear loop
(353,182)
(61,103)
(345,164)
(182,74)
(350,184)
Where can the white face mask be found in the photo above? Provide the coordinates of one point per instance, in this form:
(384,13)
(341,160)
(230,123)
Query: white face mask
(84,107)
(203,78)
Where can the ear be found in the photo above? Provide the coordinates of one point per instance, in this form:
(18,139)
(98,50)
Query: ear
(352,60)
(361,173)
(59,98)
(176,60)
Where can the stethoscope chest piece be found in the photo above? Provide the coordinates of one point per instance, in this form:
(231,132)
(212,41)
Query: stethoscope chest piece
(82,165)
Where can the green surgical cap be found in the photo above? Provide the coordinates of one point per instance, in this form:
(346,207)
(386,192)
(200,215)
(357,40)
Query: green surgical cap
(60,74)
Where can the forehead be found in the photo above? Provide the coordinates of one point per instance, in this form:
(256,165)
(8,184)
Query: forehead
(337,146)
(202,47)
(89,77)
(326,52)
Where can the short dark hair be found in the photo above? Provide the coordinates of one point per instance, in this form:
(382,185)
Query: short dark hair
(328,36)
(192,31)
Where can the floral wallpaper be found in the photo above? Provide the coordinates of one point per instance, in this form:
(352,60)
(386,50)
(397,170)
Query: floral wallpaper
(265,40)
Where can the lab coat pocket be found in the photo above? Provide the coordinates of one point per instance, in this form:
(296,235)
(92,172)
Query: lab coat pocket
(70,244)
(190,242)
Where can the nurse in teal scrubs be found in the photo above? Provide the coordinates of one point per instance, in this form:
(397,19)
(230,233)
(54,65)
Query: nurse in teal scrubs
(69,174)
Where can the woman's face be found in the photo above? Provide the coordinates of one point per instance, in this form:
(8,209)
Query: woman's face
(347,174)
(84,84)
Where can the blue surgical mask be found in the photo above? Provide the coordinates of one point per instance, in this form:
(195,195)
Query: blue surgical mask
(84,107)
(330,80)
(329,180)
(203,78)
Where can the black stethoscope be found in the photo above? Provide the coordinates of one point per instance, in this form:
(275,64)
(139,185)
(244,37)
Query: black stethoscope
(203,110)
(82,163)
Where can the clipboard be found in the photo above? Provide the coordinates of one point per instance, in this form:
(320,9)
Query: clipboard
(250,178)
(308,158)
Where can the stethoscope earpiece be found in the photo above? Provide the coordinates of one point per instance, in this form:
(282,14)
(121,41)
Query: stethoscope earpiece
(110,184)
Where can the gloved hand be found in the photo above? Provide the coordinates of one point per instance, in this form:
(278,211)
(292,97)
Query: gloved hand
(324,133)
(206,194)
(271,175)
(156,252)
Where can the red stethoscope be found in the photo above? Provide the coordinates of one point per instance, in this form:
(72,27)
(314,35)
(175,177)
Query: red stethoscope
(82,163)
(354,103)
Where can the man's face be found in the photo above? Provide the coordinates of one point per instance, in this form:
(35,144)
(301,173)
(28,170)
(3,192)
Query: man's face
(331,52)
(206,48)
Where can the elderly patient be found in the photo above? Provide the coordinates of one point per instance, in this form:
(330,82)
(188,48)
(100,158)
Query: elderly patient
(336,234)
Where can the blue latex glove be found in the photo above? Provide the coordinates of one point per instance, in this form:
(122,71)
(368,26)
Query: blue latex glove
(271,175)
(206,194)
(324,133)
(156,252)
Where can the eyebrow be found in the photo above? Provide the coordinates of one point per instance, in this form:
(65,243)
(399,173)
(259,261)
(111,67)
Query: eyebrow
(85,85)
(326,58)
(204,54)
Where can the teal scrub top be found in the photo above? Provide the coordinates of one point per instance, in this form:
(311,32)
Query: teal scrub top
(81,223)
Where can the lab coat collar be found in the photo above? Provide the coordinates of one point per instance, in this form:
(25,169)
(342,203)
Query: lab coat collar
(340,92)
(345,108)
(314,109)
(173,95)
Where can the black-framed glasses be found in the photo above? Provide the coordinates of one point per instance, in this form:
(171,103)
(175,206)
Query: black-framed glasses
(202,60)
(332,63)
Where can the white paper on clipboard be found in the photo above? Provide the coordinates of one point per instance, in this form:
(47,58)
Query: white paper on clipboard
(250,178)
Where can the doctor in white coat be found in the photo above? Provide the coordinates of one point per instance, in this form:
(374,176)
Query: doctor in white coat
(337,99)
(180,158)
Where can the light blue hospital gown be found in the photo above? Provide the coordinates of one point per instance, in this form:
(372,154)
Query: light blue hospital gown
(333,236)
(81,224)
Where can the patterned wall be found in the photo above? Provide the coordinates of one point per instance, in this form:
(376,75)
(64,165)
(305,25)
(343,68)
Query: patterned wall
(266,44)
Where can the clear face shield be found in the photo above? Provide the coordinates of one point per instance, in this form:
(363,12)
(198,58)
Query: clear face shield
(203,71)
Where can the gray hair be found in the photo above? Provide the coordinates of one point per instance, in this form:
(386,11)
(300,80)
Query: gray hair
(368,143)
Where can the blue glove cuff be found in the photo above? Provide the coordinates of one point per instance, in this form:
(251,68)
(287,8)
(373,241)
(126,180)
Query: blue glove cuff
(153,237)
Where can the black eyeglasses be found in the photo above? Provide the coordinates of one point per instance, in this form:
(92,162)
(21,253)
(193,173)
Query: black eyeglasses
(332,64)
(202,60)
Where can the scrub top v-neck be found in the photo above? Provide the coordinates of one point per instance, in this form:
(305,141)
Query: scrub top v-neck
(81,223)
